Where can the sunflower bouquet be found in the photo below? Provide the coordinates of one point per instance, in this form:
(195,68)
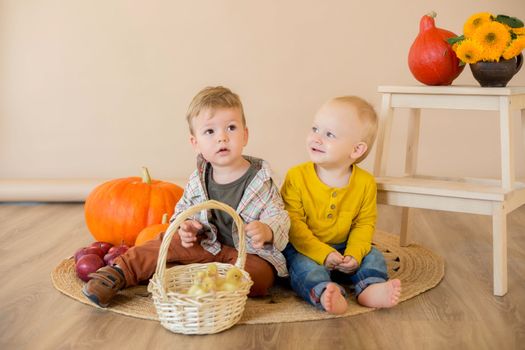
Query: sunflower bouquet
(489,38)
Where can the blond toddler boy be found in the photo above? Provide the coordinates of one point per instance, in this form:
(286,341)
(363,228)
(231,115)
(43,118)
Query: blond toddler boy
(332,207)
(218,133)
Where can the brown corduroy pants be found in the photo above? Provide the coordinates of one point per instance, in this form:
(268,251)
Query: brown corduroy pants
(139,263)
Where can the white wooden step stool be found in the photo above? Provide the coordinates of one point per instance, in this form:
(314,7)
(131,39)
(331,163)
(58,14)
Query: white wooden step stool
(477,196)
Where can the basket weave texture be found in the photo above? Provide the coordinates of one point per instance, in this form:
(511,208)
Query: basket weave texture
(203,314)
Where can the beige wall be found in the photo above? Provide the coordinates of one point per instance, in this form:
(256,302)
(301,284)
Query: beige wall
(96,89)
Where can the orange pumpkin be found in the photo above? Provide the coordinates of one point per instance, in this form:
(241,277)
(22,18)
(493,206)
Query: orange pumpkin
(152,231)
(117,210)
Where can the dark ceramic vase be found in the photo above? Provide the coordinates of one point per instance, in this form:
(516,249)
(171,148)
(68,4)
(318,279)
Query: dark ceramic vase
(496,74)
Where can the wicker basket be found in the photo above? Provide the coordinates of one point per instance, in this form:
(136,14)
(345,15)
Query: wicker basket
(204,314)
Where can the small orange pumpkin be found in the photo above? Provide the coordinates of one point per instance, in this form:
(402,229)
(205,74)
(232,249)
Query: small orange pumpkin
(152,231)
(117,210)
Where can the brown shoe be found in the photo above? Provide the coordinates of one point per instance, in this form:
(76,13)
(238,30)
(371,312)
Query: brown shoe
(104,284)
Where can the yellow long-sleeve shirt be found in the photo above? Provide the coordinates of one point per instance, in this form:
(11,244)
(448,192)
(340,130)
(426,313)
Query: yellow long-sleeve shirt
(322,215)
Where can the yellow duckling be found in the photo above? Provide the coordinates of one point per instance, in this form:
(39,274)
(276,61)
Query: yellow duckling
(209,284)
(232,280)
(202,285)
(212,271)
(198,287)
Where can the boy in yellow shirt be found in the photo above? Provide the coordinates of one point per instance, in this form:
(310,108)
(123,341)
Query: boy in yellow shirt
(332,207)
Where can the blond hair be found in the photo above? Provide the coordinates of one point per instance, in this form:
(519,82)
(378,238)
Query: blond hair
(367,115)
(213,97)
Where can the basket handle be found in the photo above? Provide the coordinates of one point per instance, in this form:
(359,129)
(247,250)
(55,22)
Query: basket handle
(174,227)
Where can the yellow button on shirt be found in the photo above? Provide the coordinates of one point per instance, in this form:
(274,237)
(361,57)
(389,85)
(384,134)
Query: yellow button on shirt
(321,215)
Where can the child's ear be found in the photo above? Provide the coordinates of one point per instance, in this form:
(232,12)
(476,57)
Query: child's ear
(358,150)
(246,134)
(193,141)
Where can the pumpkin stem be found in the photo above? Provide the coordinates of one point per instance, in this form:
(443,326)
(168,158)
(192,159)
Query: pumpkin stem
(164,219)
(427,22)
(145,176)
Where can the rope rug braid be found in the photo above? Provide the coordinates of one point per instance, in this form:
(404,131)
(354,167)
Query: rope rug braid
(418,268)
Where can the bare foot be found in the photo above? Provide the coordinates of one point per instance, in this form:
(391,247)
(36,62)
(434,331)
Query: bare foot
(332,300)
(381,295)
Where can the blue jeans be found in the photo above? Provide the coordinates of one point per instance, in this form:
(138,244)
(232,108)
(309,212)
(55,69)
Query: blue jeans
(309,279)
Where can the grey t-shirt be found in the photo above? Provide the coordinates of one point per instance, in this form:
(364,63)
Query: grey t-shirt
(230,194)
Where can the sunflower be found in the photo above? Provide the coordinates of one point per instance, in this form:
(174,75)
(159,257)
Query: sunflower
(494,38)
(515,47)
(475,21)
(469,51)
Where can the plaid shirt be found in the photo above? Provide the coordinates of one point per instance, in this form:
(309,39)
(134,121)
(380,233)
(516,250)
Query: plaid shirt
(261,201)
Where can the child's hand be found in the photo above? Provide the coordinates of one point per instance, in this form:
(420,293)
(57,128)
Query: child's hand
(188,231)
(348,265)
(259,233)
(333,260)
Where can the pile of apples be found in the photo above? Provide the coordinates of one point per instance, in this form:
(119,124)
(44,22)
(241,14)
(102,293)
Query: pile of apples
(99,254)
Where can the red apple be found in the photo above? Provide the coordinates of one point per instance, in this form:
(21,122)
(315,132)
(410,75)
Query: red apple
(109,258)
(115,252)
(105,246)
(88,250)
(87,264)
(120,249)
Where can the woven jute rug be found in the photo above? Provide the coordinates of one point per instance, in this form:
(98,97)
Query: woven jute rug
(418,268)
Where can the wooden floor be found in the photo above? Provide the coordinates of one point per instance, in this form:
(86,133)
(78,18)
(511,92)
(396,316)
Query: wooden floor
(460,313)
